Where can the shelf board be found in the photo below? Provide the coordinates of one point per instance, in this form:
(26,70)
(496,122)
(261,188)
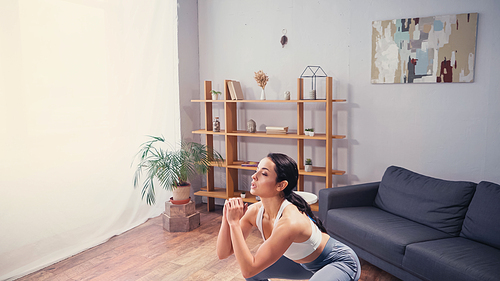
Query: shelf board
(320,172)
(221,193)
(205,132)
(241,167)
(208,101)
(271,101)
(261,134)
(221,165)
(317,171)
(289,135)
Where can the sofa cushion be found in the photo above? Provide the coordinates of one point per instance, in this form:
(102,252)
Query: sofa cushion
(481,222)
(437,203)
(454,258)
(378,232)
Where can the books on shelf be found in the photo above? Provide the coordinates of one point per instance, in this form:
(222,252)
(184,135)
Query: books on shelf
(271,132)
(276,130)
(235,90)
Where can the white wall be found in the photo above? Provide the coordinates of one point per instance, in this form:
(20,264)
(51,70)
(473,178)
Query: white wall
(449,131)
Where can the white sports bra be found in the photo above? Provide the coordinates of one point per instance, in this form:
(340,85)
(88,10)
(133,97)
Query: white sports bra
(296,251)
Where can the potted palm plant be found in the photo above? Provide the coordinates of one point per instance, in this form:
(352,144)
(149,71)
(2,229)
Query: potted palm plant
(172,168)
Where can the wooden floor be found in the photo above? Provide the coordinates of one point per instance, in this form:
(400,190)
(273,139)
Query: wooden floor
(147,252)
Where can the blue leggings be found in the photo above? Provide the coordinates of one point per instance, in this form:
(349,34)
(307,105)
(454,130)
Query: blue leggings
(336,262)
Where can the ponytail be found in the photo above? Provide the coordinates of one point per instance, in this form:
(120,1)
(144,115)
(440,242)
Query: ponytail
(303,207)
(286,169)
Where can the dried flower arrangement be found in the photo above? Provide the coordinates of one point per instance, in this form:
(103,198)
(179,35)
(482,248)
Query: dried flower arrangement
(261,78)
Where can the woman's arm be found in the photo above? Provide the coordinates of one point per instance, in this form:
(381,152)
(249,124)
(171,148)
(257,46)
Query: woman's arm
(224,244)
(268,253)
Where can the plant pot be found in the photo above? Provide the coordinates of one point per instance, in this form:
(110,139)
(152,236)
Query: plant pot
(309,168)
(181,192)
(243,195)
(214,97)
(179,202)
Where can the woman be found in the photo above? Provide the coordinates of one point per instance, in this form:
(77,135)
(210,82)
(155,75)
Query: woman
(296,245)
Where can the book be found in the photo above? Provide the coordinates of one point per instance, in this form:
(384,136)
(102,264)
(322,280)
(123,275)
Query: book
(270,130)
(235,90)
(232,91)
(275,132)
(277,128)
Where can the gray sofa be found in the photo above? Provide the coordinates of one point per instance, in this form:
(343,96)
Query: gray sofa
(417,227)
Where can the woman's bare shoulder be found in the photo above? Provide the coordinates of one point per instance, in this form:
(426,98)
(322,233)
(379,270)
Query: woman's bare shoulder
(293,218)
(252,211)
(255,206)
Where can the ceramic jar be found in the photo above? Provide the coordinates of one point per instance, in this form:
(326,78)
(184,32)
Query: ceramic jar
(216,124)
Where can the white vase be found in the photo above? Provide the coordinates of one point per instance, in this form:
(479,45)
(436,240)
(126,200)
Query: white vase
(308,168)
(263,95)
(287,95)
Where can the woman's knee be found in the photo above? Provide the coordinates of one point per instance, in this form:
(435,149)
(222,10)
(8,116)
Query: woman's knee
(331,272)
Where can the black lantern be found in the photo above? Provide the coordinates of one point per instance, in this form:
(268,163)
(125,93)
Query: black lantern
(313,72)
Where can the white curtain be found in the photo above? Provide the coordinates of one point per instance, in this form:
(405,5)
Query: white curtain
(82,82)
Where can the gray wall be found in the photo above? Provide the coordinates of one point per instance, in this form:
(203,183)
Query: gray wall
(449,131)
(189,88)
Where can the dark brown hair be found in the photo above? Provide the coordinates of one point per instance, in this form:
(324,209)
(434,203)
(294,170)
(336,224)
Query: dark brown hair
(286,169)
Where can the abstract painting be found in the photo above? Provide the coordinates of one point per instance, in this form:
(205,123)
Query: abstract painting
(437,49)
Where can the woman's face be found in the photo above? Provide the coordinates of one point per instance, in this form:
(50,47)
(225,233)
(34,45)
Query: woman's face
(264,179)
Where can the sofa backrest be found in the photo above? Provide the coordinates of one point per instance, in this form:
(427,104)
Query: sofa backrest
(437,203)
(482,221)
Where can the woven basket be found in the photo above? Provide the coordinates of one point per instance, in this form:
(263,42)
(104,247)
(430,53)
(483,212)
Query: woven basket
(182,192)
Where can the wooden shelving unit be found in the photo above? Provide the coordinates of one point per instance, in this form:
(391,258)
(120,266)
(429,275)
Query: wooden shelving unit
(231,134)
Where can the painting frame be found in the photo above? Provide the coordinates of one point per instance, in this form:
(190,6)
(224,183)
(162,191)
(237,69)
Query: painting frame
(435,49)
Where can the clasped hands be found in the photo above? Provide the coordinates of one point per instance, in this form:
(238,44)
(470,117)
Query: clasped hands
(234,209)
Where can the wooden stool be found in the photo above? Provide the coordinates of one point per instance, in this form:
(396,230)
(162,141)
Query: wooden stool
(180,218)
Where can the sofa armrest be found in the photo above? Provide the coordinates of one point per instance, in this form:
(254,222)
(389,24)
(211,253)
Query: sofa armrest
(346,196)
